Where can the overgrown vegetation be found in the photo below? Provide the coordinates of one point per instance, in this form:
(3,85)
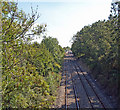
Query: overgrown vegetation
(30,73)
(98,46)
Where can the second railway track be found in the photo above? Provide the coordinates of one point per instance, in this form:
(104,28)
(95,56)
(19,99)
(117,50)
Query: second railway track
(80,90)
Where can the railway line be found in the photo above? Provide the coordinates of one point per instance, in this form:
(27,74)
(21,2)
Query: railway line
(80,90)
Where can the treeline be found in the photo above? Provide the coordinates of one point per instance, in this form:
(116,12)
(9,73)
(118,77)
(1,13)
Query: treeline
(97,45)
(30,70)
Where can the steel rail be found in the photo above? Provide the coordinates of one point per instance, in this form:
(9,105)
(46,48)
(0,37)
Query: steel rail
(90,86)
(65,91)
(74,88)
(65,88)
(84,87)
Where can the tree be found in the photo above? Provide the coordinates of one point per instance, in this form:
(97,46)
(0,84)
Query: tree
(27,68)
(56,50)
(97,44)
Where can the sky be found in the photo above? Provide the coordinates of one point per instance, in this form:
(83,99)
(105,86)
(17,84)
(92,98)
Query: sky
(64,18)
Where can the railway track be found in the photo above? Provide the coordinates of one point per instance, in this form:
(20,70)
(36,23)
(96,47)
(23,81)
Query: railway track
(80,90)
(70,81)
(102,100)
(74,88)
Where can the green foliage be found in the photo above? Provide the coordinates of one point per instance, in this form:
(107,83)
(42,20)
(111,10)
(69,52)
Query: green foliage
(66,48)
(55,49)
(29,76)
(97,44)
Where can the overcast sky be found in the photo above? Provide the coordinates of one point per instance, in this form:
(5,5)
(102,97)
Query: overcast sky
(65,17)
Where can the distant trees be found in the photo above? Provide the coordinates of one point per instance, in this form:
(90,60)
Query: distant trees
(67,48)
(53,46)
(29,70)
(97,44)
